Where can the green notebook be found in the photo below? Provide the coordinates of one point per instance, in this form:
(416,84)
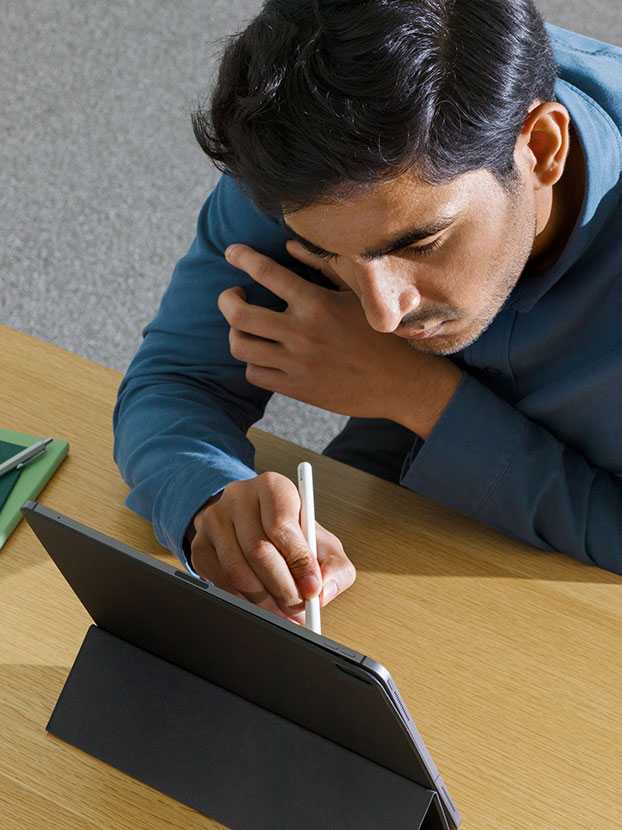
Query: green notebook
(17,486)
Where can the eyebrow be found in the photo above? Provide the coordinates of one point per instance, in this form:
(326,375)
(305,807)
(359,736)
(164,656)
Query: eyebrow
(402,240)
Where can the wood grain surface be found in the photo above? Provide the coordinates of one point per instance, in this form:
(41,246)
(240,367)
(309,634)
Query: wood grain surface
(508,658)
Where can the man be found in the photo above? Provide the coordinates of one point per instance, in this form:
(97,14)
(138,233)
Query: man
(425,199)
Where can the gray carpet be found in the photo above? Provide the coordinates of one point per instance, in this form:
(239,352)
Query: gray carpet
(100,176)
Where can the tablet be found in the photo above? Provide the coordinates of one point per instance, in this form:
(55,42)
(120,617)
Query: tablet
(305,677)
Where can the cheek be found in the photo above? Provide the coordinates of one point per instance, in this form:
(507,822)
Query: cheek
(478,264)
(456,279)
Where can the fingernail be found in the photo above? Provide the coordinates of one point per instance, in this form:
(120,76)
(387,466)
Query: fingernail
(330,590)
(309,586)
(295,607)
(230,252)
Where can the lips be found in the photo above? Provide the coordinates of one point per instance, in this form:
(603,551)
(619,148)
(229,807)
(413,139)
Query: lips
(415,334)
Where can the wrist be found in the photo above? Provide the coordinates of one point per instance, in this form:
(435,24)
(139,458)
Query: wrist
(191,530)
(426,394)
(187,542)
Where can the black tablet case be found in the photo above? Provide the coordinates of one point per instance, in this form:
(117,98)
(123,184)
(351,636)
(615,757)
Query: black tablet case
(222,755)
(214,750)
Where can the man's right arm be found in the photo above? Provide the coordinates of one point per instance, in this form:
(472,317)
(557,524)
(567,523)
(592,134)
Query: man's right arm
(184,406)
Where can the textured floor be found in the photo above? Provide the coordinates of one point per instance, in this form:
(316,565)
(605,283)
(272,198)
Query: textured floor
(100,176)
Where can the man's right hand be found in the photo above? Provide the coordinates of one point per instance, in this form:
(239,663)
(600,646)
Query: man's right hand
(249,541)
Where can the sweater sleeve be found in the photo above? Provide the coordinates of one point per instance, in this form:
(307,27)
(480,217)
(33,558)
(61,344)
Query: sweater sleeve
(488,460)
(184,406)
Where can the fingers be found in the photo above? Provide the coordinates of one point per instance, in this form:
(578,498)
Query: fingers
(270,567)
(252,319)
(267,272)
(257,350)
(248,561)
(209,565)
(280,517)
(268,604)
(338,571)
(234,567)
(250,542)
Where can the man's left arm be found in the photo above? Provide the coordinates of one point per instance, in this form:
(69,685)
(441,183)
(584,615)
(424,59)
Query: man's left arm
(486,459)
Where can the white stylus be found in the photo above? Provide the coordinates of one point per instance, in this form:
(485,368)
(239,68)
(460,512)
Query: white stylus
(307,520)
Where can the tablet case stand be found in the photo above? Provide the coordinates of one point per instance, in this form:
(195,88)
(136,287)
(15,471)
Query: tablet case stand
(221,754)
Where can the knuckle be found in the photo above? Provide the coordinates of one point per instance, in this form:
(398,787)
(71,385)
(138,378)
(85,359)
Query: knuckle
(283,534)
(202,522)
(269,477)
(236,317)
(260,551)
(237,576)
(350,575)
(335,541)
(298,560)
(211,516)
(233,489)
(234,342)
(263,268)
(280,531)
(225,302)
(199,524)
(297,341)
(318,308)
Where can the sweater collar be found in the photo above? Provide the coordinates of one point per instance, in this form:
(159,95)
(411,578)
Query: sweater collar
(602,150)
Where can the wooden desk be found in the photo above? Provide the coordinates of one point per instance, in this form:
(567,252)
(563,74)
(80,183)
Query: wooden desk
(509,659)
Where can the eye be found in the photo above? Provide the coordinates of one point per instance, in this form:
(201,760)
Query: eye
(425,250)
(420,250)
(325,255)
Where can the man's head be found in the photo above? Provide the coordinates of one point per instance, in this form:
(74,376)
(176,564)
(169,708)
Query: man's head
(358,122)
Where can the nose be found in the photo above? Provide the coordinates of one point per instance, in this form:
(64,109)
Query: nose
(386,297)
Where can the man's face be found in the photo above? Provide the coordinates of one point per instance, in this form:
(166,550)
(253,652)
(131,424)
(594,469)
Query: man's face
(461,280)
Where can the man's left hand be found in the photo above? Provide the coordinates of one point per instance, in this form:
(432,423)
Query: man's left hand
(321,349)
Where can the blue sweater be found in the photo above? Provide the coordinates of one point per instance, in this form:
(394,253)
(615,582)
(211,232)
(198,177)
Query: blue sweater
(531,443)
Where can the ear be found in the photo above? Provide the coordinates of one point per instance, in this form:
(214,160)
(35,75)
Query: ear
(544,141)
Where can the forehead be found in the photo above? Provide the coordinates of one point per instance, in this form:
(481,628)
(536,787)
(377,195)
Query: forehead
(383,209)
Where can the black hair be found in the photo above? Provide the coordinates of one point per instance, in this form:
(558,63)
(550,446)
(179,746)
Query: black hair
(315,99)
